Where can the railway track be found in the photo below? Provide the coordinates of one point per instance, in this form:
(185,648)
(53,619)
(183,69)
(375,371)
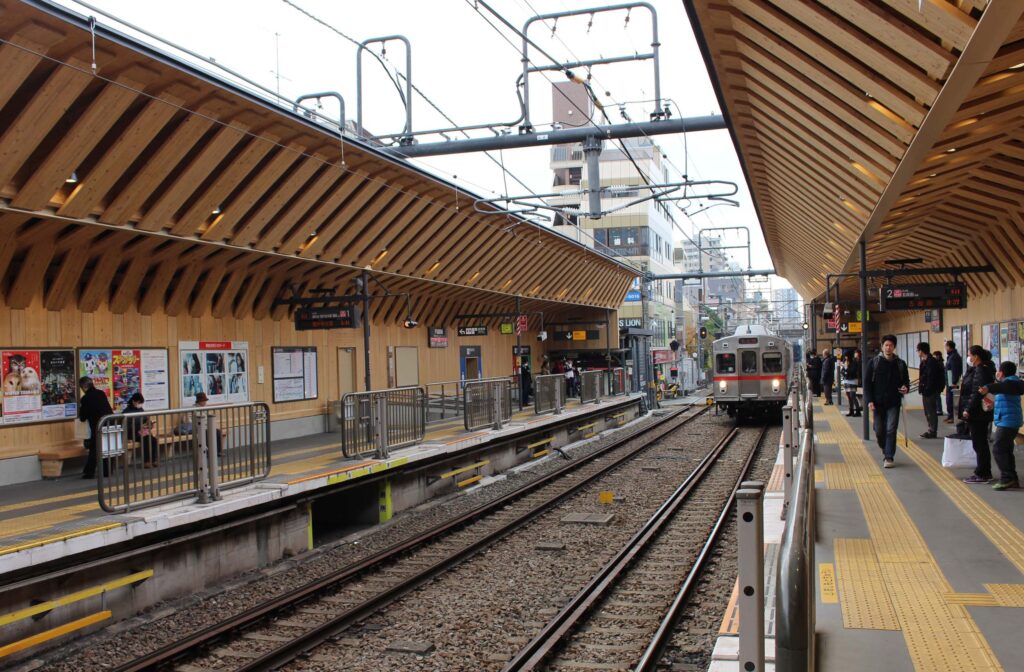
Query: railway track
(625,615)
(293,624)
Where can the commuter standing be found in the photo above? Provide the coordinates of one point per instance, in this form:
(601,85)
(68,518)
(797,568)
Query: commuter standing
(828,375)
(1008,420)
(887,381)
(525,381)
(938,397)
(570,379)
(978,417)
(814,374)
(91,408)
(930,385)
(851,381)
(954,370)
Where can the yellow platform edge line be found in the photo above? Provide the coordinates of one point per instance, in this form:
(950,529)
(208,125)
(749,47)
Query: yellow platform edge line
(50,605)
(46,636)
(462,470)
(731,618)
(333,472)
(57,538)
(827,582)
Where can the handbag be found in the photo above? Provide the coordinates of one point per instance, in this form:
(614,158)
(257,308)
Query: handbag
(144,430)
(958,453)
(83,430)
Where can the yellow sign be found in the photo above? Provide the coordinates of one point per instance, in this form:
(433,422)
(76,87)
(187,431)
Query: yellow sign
(855,327)
(606,496)
(579,335)
(506,327)
(827,581)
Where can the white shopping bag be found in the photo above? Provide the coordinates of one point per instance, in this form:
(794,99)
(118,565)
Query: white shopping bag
(958,453)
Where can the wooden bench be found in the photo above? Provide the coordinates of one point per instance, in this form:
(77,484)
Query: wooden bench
(51,460)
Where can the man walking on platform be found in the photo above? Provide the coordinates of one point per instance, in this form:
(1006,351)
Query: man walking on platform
(91,408)
(887,382)
(930,384)
(954,369)
(828,374)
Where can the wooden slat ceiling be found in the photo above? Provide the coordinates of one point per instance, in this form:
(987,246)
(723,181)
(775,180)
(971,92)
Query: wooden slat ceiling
(200,197)
(897,120)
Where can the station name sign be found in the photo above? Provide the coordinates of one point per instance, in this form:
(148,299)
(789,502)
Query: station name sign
(307,319)
(438,337)
(476,330)
(951,295)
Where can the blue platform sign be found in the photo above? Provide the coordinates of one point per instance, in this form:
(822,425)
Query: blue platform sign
(633,295)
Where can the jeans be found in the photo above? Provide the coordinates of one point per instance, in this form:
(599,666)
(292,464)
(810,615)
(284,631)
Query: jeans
(930,413)
(1002,450)
(887,420)
(979,438)
(949,403)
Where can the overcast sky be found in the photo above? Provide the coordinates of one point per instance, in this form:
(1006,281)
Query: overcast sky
(468,69)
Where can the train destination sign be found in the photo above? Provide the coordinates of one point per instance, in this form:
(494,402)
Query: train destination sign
(324,318)
(928,296)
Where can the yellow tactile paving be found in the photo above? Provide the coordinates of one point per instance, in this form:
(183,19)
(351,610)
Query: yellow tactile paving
(731,620)
(14,527)
(775,480)
(57,537)
(825,437)
(940,636)
(19,506)
(1007,594)
(863,597)
(972,599)
(1006,536)
(837,476)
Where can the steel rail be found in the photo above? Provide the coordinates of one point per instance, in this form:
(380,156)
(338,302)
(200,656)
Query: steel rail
(209,635)
(652,655)
(541,647)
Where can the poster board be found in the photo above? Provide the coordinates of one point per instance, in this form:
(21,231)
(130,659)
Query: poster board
(121,372)
(39,385)
(219,369)
(294,373)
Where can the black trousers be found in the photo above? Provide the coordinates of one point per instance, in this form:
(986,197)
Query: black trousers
(1002,450)
(979,438)
(828,393)
(89,470)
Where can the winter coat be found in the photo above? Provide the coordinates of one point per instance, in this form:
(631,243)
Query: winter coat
(852,373)
(828,370)
(955,364)
(1008,411)
(931,380)
(885,377)
(981,375)
(92,407)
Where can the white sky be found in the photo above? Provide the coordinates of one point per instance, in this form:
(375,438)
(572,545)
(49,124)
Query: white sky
(466,68)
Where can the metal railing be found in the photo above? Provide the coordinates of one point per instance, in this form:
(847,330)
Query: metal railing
(382,420)
(795,588)
(549,394)
(445,399)
(152,457)
(487,403)
(590,386)
(616,382)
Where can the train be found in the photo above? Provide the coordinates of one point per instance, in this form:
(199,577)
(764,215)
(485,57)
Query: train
(751,372)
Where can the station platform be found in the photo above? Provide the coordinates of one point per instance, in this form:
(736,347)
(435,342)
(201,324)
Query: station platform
(916,569)
(46,520)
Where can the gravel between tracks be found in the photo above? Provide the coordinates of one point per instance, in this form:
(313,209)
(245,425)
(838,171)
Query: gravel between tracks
(168,622)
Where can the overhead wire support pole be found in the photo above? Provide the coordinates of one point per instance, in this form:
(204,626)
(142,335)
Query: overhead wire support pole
(864,333)
(714,274)
(407,131)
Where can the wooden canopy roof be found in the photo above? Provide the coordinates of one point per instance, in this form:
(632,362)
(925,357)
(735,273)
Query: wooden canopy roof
(897,121)
(191,195)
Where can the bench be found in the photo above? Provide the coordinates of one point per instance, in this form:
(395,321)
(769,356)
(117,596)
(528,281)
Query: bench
(51,460)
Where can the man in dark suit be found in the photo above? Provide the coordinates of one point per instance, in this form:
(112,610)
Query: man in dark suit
(91,408)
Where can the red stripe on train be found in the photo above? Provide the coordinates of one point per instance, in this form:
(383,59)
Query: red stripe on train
(718,378)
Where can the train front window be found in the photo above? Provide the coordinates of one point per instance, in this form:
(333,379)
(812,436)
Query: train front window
(772,362)
(726,362)
(749,360)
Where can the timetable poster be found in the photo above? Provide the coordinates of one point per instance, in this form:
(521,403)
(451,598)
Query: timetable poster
(294,373)
(120,373)
(218,369)
(38,385)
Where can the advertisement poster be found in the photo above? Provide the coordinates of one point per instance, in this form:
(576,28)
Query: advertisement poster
(295,373)
(38,385)
(1004,343)
(991,334)
(218,369)
(120,373)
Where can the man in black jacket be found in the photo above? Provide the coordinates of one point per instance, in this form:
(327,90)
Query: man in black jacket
(814,374)
(828,374)
(887,382)
(930,385)
(91,408)
(954,369)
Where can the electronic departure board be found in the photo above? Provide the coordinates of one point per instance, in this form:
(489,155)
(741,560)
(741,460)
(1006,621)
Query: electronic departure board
(951,295)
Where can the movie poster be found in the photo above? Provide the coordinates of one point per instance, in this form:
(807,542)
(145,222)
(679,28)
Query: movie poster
(218,369)
(38,385)
(120,373)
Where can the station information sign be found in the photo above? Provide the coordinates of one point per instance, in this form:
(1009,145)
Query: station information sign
(324,318)
(475,330)
(928,296)
(438,337)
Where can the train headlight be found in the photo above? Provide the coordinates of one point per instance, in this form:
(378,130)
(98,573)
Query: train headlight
(776,384)
(721,385)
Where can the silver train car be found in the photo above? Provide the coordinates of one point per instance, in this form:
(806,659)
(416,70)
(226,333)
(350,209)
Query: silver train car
(751,371)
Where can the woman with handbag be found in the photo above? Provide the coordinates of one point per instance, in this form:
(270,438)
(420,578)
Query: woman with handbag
(851,381)
(140,429)
(977,413)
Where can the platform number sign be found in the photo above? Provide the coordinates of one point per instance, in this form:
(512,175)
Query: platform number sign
(952,295)
(521,324)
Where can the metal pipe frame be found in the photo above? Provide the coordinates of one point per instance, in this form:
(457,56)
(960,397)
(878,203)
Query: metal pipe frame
(318,96)
(406,137)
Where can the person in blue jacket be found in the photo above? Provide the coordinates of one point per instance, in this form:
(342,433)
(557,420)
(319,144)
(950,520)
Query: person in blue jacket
(1008,419)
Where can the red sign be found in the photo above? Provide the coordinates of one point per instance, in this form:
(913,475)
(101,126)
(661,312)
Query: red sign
(663,356)
(521,325)
(214,345)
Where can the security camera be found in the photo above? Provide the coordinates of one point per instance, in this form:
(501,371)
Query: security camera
(542,335)
(410,323)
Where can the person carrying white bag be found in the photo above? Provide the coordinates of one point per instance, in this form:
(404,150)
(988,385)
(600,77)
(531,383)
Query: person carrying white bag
(1008,419)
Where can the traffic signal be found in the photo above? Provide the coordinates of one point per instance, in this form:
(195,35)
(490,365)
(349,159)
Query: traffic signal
(703,332)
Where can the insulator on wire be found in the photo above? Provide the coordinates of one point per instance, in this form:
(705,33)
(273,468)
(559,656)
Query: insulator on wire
(590,24)
(626,24)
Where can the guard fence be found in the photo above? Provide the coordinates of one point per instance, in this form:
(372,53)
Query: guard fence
(549,393)
(487,403)
(591,386)
(445,399)
(153,457)
(379,421)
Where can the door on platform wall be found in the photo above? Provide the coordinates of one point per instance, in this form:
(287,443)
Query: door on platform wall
(470,362)
(346,371)
(407,365)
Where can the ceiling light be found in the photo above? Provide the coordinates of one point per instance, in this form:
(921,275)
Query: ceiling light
(950,150)
(1017,67)
(72,179)
(932,174)
(215,211)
